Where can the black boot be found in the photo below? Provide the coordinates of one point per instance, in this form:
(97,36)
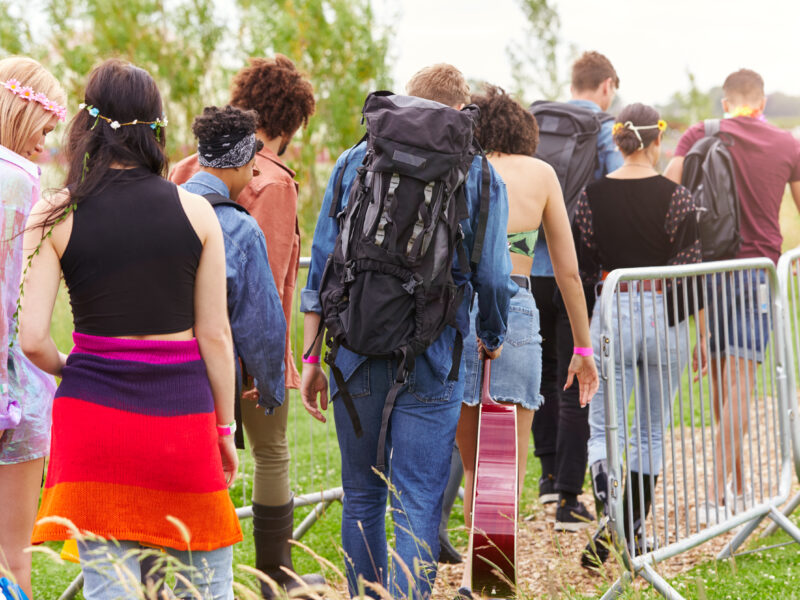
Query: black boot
(597,550)
(272,530)
(640,511)
(448,554)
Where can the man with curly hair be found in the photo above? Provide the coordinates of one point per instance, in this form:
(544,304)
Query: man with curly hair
(283,100)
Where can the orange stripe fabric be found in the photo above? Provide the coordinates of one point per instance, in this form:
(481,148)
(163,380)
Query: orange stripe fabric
(125,512)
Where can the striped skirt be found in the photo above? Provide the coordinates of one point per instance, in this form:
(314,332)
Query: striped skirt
(134,447)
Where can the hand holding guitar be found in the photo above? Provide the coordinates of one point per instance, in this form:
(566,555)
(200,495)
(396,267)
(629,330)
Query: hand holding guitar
(490,354)
(584,369)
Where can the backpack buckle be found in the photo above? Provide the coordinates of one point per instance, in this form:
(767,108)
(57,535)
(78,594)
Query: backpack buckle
(412,284)
(349,275)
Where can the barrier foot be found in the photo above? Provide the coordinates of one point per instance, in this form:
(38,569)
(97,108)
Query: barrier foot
(740,537)
(660,584)
(73,589)
(785,524)
(788,509)
(310,519)
(616,590)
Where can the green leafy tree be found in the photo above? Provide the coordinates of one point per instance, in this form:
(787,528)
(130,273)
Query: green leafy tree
(535,62)
(342,49)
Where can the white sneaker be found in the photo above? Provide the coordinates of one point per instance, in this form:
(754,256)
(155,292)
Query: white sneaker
(710,513)
(738,503)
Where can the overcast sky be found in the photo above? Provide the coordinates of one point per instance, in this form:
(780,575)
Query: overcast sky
(651,44)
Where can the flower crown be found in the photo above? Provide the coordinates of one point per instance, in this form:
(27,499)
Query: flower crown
(27,93)
(661,126)
(95,112)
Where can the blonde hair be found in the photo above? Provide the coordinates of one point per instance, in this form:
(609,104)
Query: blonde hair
(441,83)
(20,119)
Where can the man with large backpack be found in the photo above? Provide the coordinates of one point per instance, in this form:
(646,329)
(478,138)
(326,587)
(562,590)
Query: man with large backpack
(575,139)
(764,159)
(412,222)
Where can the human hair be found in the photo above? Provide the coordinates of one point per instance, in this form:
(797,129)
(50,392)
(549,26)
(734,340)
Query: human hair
(744,85)
(504,125)
(21,119)
(122,93)
(592,69)
(637,115)
(216,122)
(441,83)
(281,96)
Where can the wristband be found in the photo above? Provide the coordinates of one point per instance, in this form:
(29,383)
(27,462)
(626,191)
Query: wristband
(311,360)
(228,429)
(583,351)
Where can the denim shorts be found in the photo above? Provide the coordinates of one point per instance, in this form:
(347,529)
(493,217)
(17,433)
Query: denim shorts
(517,374)
(739,319)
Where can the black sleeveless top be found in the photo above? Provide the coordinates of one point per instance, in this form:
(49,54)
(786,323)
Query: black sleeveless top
(132,257)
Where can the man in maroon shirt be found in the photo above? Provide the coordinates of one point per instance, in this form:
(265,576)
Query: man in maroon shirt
(765,159)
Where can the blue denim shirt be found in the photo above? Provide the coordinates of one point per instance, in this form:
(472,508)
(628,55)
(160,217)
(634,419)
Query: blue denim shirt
(254,306)
(491,280)
(609,159)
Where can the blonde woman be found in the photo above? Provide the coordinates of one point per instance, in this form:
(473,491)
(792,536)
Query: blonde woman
(31,105)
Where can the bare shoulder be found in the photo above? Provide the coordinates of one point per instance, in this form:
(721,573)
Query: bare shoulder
(199,212)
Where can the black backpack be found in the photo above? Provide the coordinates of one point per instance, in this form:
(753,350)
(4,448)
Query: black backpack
(709,173)
(387,290)
(568,143)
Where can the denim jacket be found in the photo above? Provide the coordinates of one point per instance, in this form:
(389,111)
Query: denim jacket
(609,158)
(491,281)
(254,307)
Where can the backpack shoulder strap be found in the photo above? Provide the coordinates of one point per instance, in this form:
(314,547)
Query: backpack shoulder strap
(220,200)
(711,127)
(483,214)
(604,117)
(337,188)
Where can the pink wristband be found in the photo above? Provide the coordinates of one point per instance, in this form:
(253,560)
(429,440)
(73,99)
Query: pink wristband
(583,351)
(311,360)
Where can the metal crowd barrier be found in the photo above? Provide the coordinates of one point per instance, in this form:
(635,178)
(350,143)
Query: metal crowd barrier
(789,282)
(719,466)
(318,433)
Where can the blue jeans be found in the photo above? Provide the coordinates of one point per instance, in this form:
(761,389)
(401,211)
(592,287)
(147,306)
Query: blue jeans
(648,359)
(419,442)
(111,571)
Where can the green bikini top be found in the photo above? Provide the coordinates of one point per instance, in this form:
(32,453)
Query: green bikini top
(523,242)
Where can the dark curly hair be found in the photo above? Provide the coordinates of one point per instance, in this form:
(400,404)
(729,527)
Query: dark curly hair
(216,122)
(278,92)
(637,114)
(504,125)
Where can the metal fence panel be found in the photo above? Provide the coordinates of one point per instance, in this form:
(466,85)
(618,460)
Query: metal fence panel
(692,455)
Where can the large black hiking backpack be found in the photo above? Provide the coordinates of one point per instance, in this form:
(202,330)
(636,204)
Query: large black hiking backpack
(709,173)
(568,143)
(388,290)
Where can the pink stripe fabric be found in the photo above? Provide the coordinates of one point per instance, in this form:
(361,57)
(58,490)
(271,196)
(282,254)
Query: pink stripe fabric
(157,352)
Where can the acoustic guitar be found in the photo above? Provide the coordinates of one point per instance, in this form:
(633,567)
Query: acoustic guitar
(493,537)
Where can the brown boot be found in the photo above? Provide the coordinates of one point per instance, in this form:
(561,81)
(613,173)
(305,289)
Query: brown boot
(272,530)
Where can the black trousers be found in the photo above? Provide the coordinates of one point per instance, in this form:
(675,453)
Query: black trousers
(560,426)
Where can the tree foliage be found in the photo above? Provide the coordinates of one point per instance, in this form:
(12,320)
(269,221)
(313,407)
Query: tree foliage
(192,48)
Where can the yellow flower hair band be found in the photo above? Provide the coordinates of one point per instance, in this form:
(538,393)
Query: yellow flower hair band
(661,126)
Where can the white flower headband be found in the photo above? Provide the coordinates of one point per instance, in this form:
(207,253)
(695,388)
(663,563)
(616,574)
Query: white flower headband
(95,112)
(27,93)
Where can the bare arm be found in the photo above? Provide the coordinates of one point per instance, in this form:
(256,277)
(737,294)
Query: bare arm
(211,326)
(40,286)
(794,186)
(674,170)
(565,266)
(313,381)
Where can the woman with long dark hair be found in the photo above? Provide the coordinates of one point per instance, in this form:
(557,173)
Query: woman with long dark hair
(31,104)
(142,447)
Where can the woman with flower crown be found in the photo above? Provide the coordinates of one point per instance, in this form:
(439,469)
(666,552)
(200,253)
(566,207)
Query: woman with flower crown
(31,104)
(142,447)
(635,217)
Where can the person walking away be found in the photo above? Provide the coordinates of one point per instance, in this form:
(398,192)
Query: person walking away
(31,105)
(561,426)
(634,217)
(420,428)
(283,98)
(510,135)
(765,159)
(142,447)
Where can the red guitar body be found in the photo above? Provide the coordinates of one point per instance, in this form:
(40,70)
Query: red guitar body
(493,537)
